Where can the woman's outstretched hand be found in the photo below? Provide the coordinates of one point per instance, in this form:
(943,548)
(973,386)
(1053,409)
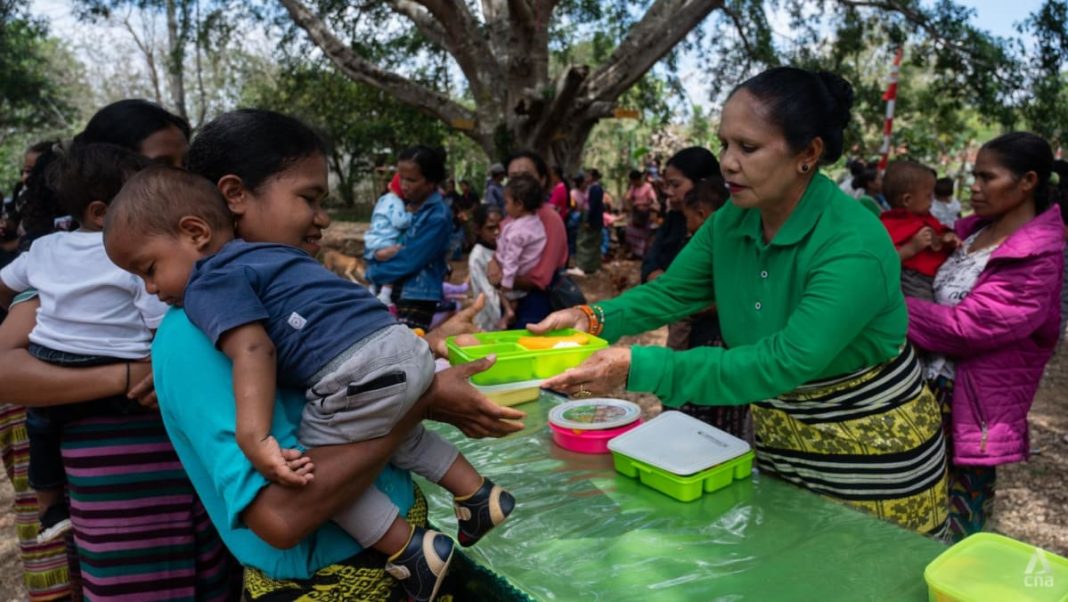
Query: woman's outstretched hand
(565,318)
(606,371)
(461,405)
(462,322)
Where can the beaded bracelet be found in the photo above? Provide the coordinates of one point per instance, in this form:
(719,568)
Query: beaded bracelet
(595,315)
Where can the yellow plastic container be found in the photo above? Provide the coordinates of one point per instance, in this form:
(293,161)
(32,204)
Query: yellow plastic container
(511,394)
(517,362)
(987,567)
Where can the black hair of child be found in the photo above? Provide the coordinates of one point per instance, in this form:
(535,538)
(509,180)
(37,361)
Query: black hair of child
(709,193)
(902,177)
(634,175)
(527,190)
(93,172)
(431,161)
(481,214)
(805,105)
(39,204)
(252,144)
(127,123)
(944,187)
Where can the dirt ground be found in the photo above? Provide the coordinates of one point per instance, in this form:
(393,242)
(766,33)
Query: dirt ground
(1031,497)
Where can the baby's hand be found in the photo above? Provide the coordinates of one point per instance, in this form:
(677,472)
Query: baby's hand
(950,240)
(282,467)
(387,253)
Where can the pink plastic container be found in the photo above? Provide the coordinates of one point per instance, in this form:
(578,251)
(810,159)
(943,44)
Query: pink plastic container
(585,426)
(587,442)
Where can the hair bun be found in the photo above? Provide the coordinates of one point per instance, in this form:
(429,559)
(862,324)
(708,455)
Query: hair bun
(842,92)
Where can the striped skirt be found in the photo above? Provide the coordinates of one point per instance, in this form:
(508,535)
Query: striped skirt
(45,571)
(140,530)
(872,439)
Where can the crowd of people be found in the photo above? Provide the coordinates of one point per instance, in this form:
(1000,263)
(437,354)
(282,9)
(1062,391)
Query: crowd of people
(192,407)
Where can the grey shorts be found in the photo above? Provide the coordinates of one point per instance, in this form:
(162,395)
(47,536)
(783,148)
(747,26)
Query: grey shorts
(363,392)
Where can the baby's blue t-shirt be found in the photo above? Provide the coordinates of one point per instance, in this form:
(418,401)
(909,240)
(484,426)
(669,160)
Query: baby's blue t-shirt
(195,389)
(311,315)
(389,220)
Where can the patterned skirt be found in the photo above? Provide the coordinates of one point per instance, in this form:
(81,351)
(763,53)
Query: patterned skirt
(140,530)
(362,577)
(45,570)
(872,439)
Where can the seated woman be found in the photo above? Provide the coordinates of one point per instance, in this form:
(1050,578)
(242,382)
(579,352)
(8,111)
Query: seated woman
(806,285)
(994,322)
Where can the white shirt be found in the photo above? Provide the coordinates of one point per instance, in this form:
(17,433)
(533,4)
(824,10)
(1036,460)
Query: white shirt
(477,261)
(955,279)
(947,213)
(89,306)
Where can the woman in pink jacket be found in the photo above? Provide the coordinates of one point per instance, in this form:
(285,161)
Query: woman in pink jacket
(995,321)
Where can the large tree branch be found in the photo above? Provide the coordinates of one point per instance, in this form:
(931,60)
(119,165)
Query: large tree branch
(450,25)
(429,101)
(664,25)
(566,87)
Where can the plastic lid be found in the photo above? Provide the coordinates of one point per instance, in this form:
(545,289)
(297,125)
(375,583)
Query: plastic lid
(594,414)
(518,386)
(679,444)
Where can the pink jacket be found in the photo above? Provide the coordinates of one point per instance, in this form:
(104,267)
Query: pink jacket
(1001,336)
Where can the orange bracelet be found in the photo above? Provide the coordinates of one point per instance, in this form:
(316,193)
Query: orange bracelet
(595,324)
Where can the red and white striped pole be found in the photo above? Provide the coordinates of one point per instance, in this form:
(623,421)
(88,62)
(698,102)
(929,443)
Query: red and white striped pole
(891,99)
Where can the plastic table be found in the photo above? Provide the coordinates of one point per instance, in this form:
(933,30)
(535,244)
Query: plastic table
(583,532)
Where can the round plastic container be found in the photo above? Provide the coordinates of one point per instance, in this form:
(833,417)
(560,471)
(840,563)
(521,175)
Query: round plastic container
(586,426)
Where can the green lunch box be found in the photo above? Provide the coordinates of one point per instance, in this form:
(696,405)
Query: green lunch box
(685,488)
(681,456)
(516,363)
(987,567)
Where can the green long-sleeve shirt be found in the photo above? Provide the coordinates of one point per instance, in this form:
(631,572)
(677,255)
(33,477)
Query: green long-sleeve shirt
(823,299)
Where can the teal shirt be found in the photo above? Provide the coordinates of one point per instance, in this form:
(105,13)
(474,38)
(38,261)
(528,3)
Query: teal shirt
(195,389)
(822,299)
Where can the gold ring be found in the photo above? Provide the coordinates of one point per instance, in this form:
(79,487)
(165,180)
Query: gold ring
(582,393)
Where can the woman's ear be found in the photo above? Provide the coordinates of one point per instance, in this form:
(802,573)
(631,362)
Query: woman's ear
(233,190)
(1029,182)
(94,214)
(196,230)
(809,158)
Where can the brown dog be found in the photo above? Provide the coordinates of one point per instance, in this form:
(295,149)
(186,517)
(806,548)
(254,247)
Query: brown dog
(344,265)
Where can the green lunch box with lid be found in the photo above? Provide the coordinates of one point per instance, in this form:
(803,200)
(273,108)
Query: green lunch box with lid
(523,356)
(987,567)
(681,456)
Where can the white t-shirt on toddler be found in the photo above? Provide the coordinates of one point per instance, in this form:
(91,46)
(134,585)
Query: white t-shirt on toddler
(89,306)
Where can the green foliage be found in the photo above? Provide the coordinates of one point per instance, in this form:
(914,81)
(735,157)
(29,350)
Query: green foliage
(1045,111)
(366,127)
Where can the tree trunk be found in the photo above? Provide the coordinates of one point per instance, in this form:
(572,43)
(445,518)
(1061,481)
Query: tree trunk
(505,60)
(175,56)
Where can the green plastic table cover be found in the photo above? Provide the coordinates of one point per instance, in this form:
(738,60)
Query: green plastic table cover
(583,532)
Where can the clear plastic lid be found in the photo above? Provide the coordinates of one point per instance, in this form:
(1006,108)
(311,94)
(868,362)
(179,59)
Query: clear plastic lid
(679,444)
(594,414)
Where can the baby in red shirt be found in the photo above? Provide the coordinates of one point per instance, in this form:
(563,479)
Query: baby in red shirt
(922,242)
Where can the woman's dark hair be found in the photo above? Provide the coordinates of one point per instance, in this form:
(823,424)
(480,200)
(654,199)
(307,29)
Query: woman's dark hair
(695,162)
(535,158)
(431,162)
(128,122)
(252,144)
(40,147)
(710,193)
(39,204)
(805,105)
(559,172)
(634,175)
(481,214)
(93,172)
(527,190)
(1021,152)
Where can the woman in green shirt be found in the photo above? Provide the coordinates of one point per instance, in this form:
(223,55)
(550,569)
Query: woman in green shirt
(807,286)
